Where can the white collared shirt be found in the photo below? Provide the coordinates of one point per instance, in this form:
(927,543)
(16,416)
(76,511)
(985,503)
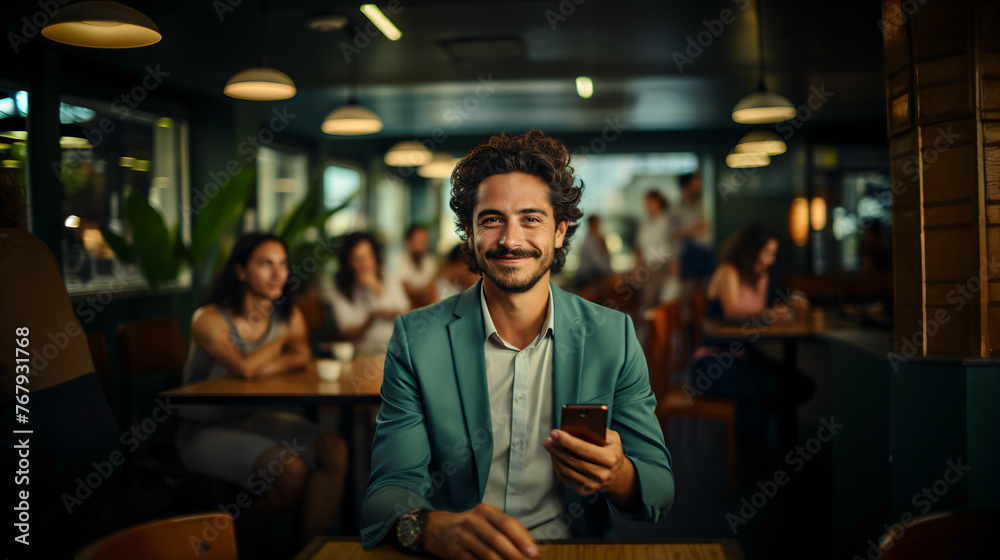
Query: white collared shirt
(522,482)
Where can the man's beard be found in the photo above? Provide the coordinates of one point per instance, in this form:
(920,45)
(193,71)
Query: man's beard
(505,277)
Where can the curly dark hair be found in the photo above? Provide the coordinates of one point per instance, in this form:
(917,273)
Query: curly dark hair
(744,247)
(344,278)
(532,153)
(227,290)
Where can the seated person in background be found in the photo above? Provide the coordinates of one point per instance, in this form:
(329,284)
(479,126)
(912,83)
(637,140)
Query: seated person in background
(416,268)
(595,261)
(691,229)
(467,436)
(248,328)
(739,289)
(365,302)
(72,426)
(455,276)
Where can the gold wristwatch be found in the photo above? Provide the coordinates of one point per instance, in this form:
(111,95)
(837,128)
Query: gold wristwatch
(410,531)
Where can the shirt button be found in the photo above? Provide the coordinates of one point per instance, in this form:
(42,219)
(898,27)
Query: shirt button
(517,443)
(520,397)
(513,493)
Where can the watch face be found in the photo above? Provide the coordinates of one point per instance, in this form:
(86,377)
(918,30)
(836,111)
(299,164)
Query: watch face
(408,532)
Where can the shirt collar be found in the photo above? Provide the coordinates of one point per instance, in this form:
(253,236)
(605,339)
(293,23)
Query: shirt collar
(491,328)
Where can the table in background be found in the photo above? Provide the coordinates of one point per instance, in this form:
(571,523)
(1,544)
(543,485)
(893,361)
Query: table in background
(815,322)
(360,382)
(340,548)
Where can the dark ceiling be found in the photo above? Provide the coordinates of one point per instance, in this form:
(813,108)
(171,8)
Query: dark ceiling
(529,50)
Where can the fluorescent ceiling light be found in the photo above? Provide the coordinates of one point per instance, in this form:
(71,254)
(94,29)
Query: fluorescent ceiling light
(102,25)
(584,87)
(376,16)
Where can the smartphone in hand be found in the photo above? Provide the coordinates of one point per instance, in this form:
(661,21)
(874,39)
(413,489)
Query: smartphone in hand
(586,421)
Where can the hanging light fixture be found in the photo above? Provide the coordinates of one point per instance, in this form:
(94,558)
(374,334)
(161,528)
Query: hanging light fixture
(101,25)
(408,153)
(761,142)
(762,106)
(260,83)
(352,119)
(440,167)
(737,160)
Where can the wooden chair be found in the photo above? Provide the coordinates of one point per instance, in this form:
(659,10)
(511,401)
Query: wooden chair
(663,334)
(208,536)
(955,534)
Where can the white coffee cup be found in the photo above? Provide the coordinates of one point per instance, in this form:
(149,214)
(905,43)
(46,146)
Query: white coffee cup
(343,351)
(329,370)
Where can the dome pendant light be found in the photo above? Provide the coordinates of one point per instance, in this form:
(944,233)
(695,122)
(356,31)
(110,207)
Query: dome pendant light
(761,142)
(762,106)
(260,83)
(408,153)
(101,25)
(352,119)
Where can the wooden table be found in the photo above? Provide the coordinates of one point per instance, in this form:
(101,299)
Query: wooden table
(338,548)
(360,382)
(749,331)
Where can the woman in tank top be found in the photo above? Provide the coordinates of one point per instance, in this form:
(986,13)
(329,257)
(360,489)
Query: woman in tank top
(248,328)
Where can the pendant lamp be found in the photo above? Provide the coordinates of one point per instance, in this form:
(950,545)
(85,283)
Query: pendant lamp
(260,83)
(101,25)
(761,142)
(762,106)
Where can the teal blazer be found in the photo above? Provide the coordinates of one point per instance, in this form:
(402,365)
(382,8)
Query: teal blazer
(433,438)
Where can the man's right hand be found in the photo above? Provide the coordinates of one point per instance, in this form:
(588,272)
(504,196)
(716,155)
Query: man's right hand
(483,532)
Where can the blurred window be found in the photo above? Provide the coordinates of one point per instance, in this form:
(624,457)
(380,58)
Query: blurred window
(282,183)
(340,184)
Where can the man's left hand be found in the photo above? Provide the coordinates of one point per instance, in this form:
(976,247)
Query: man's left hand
(589,468)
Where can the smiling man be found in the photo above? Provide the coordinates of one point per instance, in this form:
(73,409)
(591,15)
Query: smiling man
(468,460)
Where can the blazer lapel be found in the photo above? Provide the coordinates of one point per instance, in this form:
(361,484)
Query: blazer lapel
(469,359)
(567,367)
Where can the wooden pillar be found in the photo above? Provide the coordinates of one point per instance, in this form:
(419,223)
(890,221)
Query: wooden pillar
(942,69)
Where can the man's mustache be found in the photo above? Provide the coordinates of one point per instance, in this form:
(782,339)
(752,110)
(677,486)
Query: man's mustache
(504,252)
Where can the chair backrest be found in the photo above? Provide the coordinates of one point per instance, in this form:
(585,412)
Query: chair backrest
(151,346)
(205,537)
(662,344)
(956,534)
(98,345)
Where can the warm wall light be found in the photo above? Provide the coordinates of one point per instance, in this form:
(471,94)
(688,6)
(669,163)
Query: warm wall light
(408,153)
(584,87)
(798,221)
(72,221)
(761,142)
(817,213)
(740,161)
(376,16)
(351,120)
(101,25)
(260,84)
